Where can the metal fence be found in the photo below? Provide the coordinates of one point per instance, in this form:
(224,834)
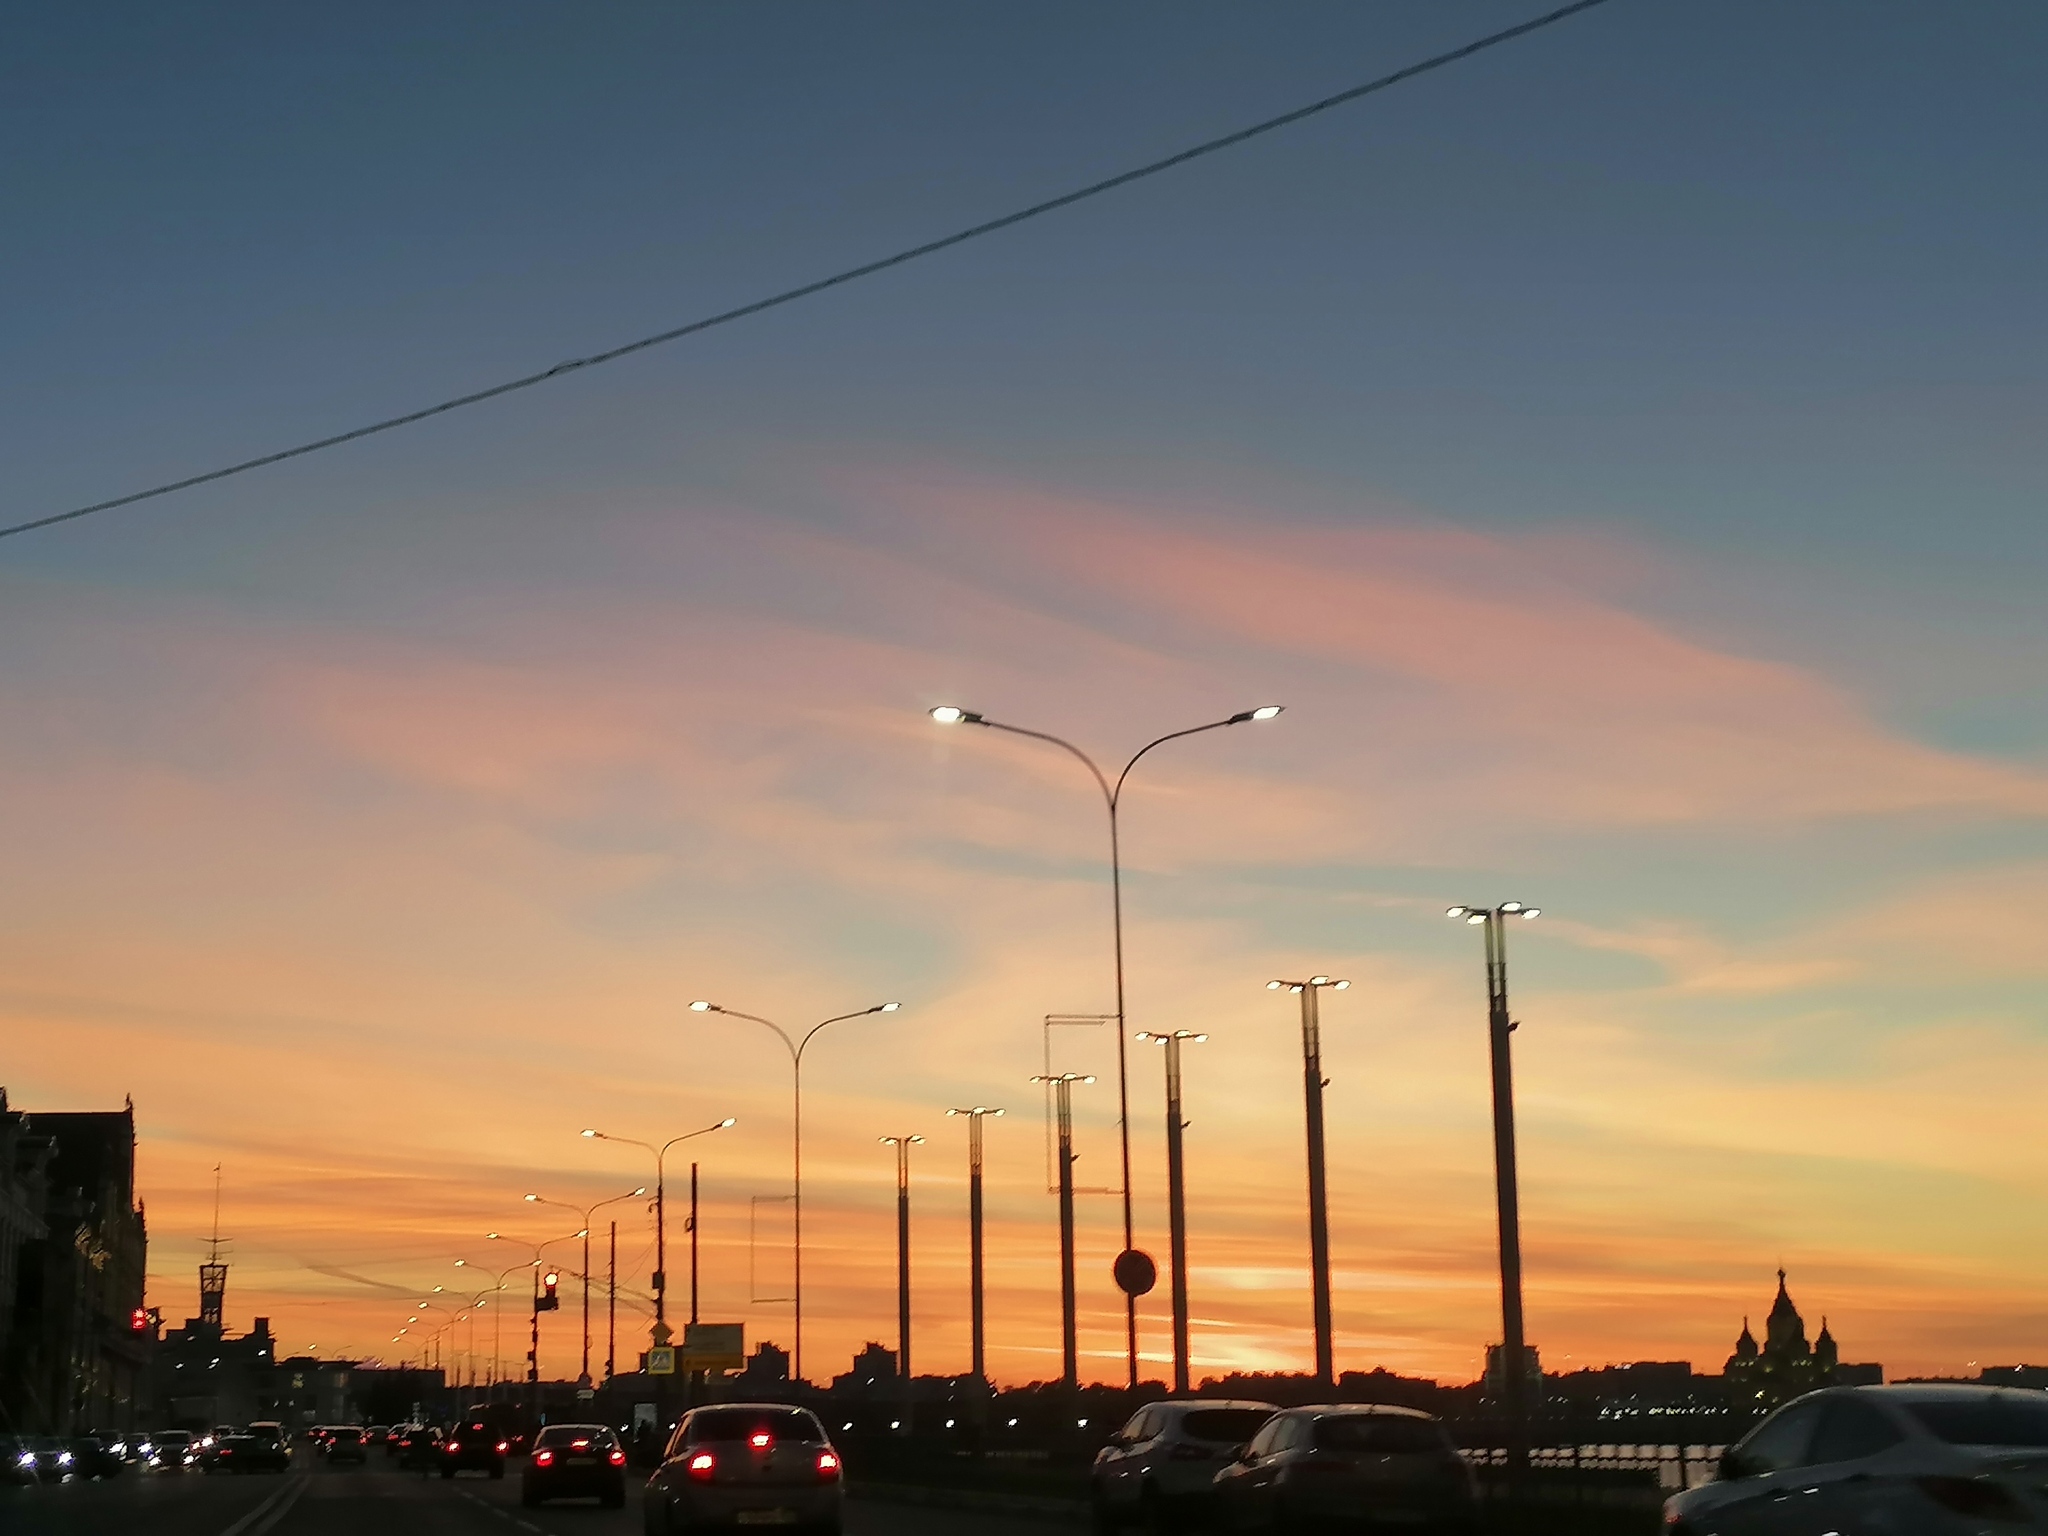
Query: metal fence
(1675,1467)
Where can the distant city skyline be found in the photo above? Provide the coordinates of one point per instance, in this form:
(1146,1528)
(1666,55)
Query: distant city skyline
(1620,455)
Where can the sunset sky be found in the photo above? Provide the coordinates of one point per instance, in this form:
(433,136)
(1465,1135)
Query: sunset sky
(1623,455)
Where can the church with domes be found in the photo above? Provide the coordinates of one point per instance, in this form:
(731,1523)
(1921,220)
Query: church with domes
(1785,1365)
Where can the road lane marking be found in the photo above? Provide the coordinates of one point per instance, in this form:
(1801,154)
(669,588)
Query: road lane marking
(280,1500)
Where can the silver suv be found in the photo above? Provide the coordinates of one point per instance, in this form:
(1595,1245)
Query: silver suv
(1159,1467)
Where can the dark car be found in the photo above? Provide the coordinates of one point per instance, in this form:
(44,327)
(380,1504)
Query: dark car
(747,1464)
(54,1460)
(394,1436)
(246,1453)
(473,1446)
(419,1448)
(572,1461)
(344,1442)
(1344,1465)
(96,1455)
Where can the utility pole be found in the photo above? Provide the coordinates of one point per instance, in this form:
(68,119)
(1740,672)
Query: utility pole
(693,1242)
(1313,1084)
(611,1302)
(1507,1194)
(1063,1102)
(977,1308)
(903,1144)
(1176,1196)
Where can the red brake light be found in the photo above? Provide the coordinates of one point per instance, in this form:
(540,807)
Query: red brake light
(454,1446)
(579,1445)
(701,1466)
(618,1458)
(828,1464)
(502,1445)
(760,1439)
(543,1458)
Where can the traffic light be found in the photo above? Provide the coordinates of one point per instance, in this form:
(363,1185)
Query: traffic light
(138,1320)
(548,1301)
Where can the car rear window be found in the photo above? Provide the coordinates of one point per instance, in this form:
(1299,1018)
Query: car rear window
(555,1436)
(352,1436)
(2016,1420)
(1380,1432)
(1225,1426)
(744,1423)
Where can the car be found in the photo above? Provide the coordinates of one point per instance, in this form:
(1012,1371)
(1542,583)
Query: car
(1361,1465)
(245,1453)
(97,1455)
(394,1437)
(344,1442)
(1899,1460)
(746,1464)
(473,1446)
(54,1460)
(1160,1468)
(419,1448)
(168,1450)
(572,1461)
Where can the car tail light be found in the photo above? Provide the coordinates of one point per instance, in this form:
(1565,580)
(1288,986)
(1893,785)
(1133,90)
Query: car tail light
(618,1458)
(701,1466)
(828,1465)
(454,1446)
(1977,1497)
(579,1445)
(543,1458)
(760,1440)
(502,1447)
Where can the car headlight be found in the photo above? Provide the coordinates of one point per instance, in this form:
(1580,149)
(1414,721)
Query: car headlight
(63,1458)
(120,1449)
(25,1459)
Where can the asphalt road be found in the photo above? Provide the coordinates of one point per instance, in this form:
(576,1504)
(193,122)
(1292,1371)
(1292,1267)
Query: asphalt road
(318,1500)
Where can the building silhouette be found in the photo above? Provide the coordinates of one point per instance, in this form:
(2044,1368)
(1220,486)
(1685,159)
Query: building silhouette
(1785,1364)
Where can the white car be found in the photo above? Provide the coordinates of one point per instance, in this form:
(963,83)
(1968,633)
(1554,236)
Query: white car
(1160,1467)
(1882,1461)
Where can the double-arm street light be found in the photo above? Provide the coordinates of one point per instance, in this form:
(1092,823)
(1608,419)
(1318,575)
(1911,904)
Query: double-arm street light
(1507,1196)
(1313,1084)
(1062,1086)
(661,1329)
(1176,1195)
(497,1290)
(903,1144)
(1112,799)
(587,1212)
(796,1050)
(977,1310)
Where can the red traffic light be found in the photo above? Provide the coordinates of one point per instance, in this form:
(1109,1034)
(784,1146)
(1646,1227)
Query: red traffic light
(138,1321)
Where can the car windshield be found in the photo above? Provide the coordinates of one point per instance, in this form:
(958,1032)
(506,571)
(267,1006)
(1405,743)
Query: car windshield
(1384,1433)
(2016,1420)
(555,1436)
(745,1423)
(1225,1426)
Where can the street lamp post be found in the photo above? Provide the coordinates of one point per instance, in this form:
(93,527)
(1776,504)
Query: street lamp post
(1176,1196)
(1507,1194)
(976,1306)
(796,1050)
(497,1290)
(661,1328)
(903,1144)
(1063,1105)
(1112,798)
(587,1213)
(1313,1083)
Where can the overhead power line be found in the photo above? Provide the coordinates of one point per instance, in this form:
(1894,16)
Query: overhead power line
(837,279)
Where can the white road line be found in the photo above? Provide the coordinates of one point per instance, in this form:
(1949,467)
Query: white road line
(290,1489)
(283,1509)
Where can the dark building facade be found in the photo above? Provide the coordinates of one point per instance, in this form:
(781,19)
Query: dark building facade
(75,1349)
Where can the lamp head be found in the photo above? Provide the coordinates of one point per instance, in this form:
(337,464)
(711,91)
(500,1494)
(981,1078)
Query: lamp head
(1448,912)
(1529,912)
(492,1236)
(1263,712)
(589,1133)
(952,714)
(700,1006)
(1339,986)
(1200,1038)
(530,1199)
(1275,986)
(640,1191)
(886,1008)
(1511,906)
(726,1124)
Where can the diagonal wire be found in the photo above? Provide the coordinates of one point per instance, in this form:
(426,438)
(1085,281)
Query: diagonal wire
(837,279)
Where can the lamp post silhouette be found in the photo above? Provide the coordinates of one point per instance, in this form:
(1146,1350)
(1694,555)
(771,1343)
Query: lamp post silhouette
(796,1050)
(1507,1195)
(1313,1084)
(496,1332)
(587,1212)
(903,1144)
(976,1308)
(661,1329)
(1063,1102)
(1176,1196)
(1112,799)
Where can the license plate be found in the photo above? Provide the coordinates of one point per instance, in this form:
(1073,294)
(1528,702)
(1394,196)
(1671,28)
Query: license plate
(579,1461)
(767,1517)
